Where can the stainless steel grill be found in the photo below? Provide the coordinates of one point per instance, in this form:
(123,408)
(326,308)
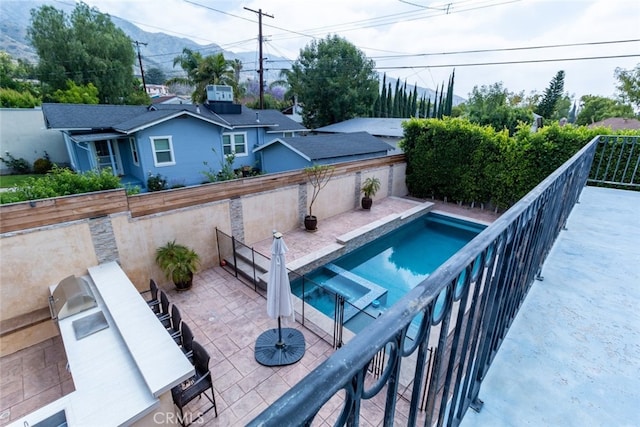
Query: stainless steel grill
(72,295)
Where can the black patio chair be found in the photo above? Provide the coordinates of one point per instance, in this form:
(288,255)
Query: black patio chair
(163,313)
(174,323)
(195,386)
(154,302)
(186,341)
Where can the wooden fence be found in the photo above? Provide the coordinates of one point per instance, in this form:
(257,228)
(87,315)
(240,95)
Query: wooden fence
(39,213)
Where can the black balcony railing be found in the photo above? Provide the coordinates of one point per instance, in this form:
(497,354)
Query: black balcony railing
(617,162)
(465,309)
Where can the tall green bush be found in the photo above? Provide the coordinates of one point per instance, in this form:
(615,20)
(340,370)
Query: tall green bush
(465,162)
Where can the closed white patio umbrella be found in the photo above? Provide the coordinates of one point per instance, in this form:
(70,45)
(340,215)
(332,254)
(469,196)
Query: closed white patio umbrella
(282,346)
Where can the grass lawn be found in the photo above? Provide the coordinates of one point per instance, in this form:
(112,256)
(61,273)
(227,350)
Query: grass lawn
(7,181)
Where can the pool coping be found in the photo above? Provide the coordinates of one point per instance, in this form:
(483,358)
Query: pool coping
(356,238)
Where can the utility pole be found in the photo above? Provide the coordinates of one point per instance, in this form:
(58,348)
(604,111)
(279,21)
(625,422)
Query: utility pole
(137,43)
(261,69)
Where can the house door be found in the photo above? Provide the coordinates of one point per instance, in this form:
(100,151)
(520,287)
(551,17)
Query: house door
(108,156)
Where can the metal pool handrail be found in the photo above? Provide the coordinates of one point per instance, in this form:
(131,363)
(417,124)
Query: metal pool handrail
(480,290)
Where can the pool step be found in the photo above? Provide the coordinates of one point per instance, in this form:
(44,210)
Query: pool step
(376,292)
(245,262)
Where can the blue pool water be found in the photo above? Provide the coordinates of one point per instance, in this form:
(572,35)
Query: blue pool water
(378,274)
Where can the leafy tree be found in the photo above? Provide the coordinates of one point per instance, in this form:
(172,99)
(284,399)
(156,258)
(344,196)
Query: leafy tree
(202,71)
(155,76)
(270,103)
(334,80)
(15,88)
(596,108)
(10,98)
(76,94)
(138,96)
(85,47)
(629,85)
(490,105)
(547,106)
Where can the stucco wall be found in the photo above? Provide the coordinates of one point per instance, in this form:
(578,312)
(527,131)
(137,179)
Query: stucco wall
(33,259)
(138,239)
(23,134)
(273,210)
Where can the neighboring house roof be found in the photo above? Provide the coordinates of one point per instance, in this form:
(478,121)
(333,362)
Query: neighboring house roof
(274,120)
(375,126)
(317,147)
(170,99)
(131,118)
(616,123)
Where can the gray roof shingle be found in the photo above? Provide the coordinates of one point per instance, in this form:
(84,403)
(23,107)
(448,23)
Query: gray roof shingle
(380,126)
(128,118)
(317,147)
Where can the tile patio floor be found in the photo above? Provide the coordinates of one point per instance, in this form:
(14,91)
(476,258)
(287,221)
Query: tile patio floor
(226,316)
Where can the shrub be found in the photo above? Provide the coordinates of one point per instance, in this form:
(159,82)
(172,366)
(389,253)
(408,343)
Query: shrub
(61,182)
(469,163)
(42,166)
(156,182)
(18,166)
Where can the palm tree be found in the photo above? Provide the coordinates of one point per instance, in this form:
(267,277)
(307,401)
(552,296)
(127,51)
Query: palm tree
(238,89)
(202,71)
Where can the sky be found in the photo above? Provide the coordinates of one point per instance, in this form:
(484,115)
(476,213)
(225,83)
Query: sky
(423,41)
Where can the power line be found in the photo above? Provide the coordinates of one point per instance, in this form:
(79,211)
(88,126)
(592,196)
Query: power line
(531,61)
(508,49)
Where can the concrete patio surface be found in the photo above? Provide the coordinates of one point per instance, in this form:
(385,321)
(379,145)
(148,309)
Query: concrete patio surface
(572,355)
(226,316)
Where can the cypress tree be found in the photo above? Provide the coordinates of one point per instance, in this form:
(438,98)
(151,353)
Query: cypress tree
(396,101)
(382,112)
(389,101)
(434,113)
(414,101)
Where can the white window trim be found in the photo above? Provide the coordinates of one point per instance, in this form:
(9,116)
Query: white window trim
(233,145)
(153,151)
(134,149)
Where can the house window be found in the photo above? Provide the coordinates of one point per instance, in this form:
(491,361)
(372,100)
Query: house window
(235,143)
(287,134)
(162,147)
(134,151)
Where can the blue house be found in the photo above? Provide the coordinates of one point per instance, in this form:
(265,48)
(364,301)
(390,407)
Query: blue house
(284,154)
(171,140)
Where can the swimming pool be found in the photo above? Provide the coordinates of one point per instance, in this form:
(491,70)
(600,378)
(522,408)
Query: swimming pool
(376,275)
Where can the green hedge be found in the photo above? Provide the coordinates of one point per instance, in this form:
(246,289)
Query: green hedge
(465,162)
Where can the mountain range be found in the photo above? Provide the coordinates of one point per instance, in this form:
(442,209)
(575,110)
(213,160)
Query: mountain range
(157,52)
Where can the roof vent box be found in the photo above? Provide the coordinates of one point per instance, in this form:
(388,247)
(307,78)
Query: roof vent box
(72,295)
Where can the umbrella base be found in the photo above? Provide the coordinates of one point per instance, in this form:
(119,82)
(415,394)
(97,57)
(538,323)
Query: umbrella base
(270,352)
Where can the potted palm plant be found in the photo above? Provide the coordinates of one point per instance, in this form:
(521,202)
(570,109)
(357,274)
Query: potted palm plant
(369,189)
(318,176)
(179,263)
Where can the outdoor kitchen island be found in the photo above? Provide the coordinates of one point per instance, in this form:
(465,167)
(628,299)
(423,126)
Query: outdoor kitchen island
(123,373)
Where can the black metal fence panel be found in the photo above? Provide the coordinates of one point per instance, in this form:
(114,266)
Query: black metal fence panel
(464,309)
